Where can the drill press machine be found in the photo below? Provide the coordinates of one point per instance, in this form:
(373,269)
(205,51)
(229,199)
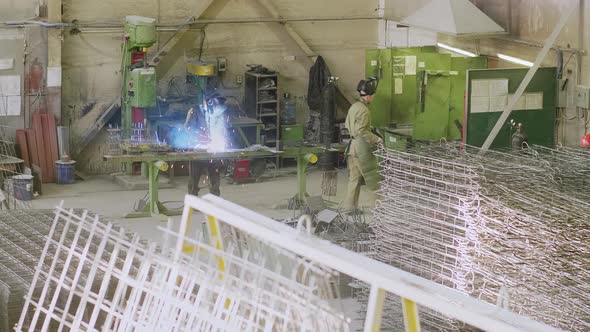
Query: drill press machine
(139,88)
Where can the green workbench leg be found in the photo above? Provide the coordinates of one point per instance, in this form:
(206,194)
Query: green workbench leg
(153,206)
(300,198)
(301,179)
(154,186)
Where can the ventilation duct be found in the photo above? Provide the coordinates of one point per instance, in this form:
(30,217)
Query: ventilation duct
(454,17)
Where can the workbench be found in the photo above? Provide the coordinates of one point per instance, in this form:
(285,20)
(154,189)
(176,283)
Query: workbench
(242,123)
(156,162)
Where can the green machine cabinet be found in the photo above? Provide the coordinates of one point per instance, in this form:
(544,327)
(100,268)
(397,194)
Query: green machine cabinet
(441,97)
(142,87)
(421,88)
(141,31)
(488,93)
(396,69)
(397,139)
(139,34)
(292,135)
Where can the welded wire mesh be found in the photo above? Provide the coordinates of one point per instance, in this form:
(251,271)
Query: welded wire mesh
(485,223)
(248,285)
(22,236)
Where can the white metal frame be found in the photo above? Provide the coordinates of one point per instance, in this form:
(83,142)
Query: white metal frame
(381,277)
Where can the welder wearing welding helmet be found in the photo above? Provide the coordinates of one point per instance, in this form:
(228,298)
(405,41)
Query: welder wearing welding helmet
(362,163)
(216,123)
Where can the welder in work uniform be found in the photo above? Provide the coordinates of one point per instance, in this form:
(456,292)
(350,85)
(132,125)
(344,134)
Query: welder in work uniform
(362,163)
(214,110)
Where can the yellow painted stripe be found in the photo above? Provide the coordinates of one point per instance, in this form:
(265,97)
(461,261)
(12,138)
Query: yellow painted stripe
(185,247)
(411,319)
(215,239)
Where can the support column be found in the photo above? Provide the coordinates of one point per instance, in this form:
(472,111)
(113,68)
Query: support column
(54,69)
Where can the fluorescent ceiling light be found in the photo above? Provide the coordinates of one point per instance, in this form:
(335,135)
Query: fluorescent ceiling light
(515,60)
(457,50)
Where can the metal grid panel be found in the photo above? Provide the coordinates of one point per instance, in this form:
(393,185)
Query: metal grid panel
(94,277)
(486,225)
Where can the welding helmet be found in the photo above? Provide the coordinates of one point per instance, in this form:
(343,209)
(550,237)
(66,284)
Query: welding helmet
(367,87)
(585,141)
(210,98)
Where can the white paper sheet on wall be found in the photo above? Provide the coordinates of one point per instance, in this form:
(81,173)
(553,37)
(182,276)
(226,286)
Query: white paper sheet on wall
(10,95)
(520,104)
(480,88)
(10,105)
(498,103)
(480,104)
(534,101)
(53,76)
(399,65)
(411,65)
(6,64)
(10,85)
(498,87)
(398,86)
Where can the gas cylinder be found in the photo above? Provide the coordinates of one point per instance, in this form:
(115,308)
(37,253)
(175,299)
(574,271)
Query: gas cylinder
(36,73)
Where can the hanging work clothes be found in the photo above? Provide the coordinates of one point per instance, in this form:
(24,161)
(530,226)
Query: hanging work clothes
(319,75)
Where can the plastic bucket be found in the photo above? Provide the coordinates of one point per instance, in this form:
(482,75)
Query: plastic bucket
(64,171)
(23,187)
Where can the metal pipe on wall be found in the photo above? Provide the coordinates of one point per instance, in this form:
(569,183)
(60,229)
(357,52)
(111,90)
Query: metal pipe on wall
(579,58)
(195,22)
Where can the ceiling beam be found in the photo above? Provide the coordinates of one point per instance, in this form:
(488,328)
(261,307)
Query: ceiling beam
(163,66)
(293,41)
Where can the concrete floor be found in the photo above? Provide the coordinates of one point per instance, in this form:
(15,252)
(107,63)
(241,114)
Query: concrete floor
(101,195)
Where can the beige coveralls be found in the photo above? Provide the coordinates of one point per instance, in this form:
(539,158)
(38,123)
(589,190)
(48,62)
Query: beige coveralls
(361,161)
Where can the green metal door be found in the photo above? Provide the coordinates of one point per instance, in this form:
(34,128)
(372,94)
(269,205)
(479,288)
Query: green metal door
(432,110)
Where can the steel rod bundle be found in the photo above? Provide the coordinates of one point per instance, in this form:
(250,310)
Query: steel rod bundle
(487,225)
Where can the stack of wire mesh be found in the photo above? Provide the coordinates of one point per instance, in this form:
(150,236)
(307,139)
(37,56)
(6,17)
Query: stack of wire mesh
(21,243)
(505,227)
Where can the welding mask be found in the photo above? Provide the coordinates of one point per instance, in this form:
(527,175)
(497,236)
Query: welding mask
(218,110)
(367,87)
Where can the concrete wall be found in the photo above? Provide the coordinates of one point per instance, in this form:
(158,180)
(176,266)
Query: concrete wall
(91,59)
(531,21)
(15,10)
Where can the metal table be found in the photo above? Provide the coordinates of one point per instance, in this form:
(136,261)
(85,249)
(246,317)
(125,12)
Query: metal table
(242,123)
(155,163)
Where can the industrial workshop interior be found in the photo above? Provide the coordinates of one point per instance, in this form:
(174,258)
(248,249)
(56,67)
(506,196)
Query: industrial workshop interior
(310,165)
